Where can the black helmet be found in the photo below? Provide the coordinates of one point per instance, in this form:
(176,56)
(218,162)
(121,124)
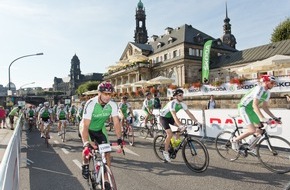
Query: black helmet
(125,97)
(176,92)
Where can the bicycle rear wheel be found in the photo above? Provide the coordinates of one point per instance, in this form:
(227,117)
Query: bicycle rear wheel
(223,146)
(111,185)
(195,155)
(130,135)
(158,146)
(274,154)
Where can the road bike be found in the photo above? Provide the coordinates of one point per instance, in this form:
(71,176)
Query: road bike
(273,152)
(100,174)
(62,129)
(150,130)
(46,132)
(128,132)
(194,152)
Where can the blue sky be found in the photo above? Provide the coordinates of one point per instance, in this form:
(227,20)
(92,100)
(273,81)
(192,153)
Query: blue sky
(97,31)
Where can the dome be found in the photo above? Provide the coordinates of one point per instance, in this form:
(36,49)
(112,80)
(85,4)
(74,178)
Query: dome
(140,5)
(12,85)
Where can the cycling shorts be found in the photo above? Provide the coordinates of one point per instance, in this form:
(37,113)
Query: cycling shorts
(249,116)
(45,119)
(99,136)
(164,121)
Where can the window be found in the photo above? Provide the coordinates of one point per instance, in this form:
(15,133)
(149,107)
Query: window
(174,53)
(197,52)
(157,59)
(200,53)
(161,59)
(165,57)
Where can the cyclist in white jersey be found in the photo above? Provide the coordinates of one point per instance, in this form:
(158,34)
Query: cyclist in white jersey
(96,112)
(249,108)
(168,116)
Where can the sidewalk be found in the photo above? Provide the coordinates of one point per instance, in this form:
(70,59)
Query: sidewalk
(5,135)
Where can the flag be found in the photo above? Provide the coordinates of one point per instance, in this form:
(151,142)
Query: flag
(205,60)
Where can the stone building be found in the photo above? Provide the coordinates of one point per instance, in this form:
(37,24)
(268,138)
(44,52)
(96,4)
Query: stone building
(177,54)
(75,78)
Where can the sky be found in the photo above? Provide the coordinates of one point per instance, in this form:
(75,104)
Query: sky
(97,31)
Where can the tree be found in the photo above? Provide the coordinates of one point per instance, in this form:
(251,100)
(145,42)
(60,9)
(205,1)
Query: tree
(87,86)
(282,31)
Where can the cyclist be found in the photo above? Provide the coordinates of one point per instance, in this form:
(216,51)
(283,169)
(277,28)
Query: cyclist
(80,112)
(96,112)
(61,116)
(148,108)
(45,115)
(72,114)
(124,107)
(168,116)
(14,112)
(30,113)
(249,108)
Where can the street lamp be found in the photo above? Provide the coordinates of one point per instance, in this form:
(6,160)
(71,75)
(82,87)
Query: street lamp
(9,88)
(26,84)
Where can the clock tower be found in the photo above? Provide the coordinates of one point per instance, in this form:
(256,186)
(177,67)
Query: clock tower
(228,38)
(140,31)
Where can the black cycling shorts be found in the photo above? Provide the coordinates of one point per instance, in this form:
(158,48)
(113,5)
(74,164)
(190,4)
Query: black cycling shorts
(166,121)
(98,136)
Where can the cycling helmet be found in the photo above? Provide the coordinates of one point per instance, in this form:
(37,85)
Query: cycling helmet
(176,92)
(61,106)
(125,97)
(147,93)
(46,104)
(40,105)
(267,78)
(105,87)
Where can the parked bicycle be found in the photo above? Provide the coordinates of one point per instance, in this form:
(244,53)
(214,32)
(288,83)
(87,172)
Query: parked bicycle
(272,151)
(194,152)
(128,132)
(150,130)
(100,174)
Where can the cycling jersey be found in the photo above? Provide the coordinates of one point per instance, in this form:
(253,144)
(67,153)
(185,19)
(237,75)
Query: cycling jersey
(61,113)
(30,113)
(258,92)
(45,113)
(14,112)
(173,105)
(99,114)
(148,104)
(124,107)
(72,110)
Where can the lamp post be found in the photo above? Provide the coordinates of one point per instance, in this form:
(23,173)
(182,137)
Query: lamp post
(20,89)
(9,88)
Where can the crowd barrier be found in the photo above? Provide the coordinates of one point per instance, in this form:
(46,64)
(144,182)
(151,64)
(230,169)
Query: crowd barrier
(10,164)
(216,120)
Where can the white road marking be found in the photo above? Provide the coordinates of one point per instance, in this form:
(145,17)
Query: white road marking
(126,150)
(56,142)
(78,163)
(65,151)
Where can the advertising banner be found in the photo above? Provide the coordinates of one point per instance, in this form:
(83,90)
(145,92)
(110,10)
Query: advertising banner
(205,61)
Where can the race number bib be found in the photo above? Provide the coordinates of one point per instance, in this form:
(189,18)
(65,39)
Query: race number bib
(105,148)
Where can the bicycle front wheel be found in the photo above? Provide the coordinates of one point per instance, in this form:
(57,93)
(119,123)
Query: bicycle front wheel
(158,146)
(110,184)
(274,154)
(92,177)
(130,135)
(195,155)
(223,146)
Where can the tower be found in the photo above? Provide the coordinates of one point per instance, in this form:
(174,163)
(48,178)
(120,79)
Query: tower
(75,73)
(140,31)
(228,38)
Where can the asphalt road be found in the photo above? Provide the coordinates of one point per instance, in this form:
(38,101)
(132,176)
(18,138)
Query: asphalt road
(58,167)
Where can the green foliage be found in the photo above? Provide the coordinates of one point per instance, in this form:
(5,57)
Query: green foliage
(87,86)
(282,31)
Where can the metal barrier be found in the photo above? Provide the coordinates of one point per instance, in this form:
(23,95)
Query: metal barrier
(9,168)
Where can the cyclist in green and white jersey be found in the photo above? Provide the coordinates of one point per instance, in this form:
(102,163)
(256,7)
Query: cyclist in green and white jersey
(62,116)
(96,112)
(80,112)
(147,107)
(249,108)
(125,107)
(168,116)
(45,115)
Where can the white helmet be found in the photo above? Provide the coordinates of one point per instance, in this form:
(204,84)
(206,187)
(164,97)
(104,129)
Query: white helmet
(46,103)
(267,78)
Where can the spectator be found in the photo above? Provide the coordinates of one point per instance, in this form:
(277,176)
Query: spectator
(157,102)
(2,117)
(211,103)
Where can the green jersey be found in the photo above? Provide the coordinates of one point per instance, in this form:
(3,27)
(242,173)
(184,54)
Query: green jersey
(124,108)
(173,105)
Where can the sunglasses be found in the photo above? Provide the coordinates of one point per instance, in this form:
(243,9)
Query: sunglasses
(179,94)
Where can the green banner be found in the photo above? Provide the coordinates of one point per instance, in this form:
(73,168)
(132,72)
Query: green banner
(205,61)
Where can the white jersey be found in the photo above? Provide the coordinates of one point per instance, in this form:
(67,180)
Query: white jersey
(258,92)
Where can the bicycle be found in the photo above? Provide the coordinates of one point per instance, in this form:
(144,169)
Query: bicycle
(273,152)
(128,132)
(46,132)
(31,123)
(194,152)
(98,168)
(151,130)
